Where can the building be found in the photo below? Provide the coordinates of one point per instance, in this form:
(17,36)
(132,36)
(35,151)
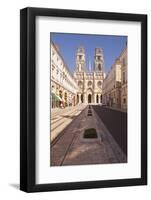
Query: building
(124,96)
(88,86)
(114,89)
(112,86)
(89,82)
(63,84)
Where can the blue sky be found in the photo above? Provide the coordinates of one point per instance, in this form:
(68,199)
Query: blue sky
(68,44)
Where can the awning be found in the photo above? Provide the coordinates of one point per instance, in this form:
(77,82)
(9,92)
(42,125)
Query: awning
(55,97)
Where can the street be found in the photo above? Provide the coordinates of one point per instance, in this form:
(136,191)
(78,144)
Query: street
(116,123)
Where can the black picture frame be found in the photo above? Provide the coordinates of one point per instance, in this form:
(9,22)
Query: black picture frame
(28,99)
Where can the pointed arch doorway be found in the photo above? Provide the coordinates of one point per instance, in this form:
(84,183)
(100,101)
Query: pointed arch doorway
(89,98)
(89,95)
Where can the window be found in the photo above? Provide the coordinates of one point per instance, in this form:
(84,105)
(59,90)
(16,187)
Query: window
(124,77)
(53,67)
(80,84)
(60,94)
(99,84)
(99,58)
(99,67)
(124,100)
(80,57)
(89,83)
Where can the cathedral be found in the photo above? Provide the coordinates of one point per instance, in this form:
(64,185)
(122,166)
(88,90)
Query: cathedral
(89,82)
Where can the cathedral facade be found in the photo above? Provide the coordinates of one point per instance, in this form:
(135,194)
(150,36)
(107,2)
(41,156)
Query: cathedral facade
(89,82)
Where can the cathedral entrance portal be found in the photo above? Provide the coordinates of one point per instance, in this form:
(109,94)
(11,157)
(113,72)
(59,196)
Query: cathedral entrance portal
(89,98)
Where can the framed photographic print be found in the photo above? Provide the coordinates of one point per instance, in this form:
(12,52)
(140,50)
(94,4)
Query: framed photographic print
(83,99)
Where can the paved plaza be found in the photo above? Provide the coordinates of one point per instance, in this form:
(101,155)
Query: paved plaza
(61,118)
(88,99)
(68,145)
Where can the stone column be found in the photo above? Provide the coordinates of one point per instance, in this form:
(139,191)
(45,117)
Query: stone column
(94,97)
(99,98)
(84,97)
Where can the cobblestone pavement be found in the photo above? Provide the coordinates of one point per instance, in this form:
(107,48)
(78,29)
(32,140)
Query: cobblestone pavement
(72,149)
(116,123)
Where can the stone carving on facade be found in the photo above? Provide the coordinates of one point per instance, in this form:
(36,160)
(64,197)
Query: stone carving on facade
(89,83)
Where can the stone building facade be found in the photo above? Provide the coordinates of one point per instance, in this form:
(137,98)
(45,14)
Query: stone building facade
(124,94)
(88,86)
(114,89)
(89,82)
(112,86)
(63,85)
